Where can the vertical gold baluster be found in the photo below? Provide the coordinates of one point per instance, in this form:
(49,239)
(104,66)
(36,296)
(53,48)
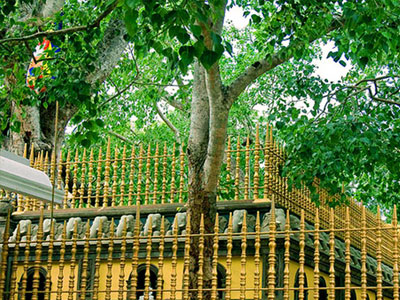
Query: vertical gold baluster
(173,173)
(96,277)
(83,176)
(247,170)
(13,285)
(114,184)
(122,263)
(160,262)
(302,256)
(38,254)
(164,174)
(379,279)
(267,163)
(60,279)
(85,263)
(25,154)
(139,180)
(67,172)
(98,179)
(148,261)
(131,174)
(228,160)
(243,259)
(229,246)
(75,179)
(174,259)
(90,179)
(286,258)
(331,290)
(363,255)
(187,259)
(72,265)
(200,273)
(256,180)
(347,278)
(271,254)
(182,171)
(47,293)
(4,256)
(123,171)
(155,184)
(147,186)
(316,255)
(110,261)
(41,161)
(26,262)
(52,166)
(257,245)
(106,185)
(395,255)
(237,171)
(135,254)
(214,281)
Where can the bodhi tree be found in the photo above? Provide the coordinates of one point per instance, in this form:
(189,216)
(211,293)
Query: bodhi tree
(190,36)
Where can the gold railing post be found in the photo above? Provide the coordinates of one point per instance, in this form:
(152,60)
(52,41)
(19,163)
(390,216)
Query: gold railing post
(347,280)
(90,179)
(257,246)
(4,255)
(67,173)
(173,171)
(164,174)
(38,255)
(256,178)
(302,256)
(200,272)
(214,280)
(114,178)
(363,255)
(13,285)
(272,254)
(72,266)
(123,172)
(316,255)
(135,252)
(122,259)
(243,259)
(186,266)
(148,260)
(96,277)
(181,175)
(160,261)
(60,278)
(47,294)
(237,169)
(24,280)
(286,273)
(106,184)
(155,184)
(85,262)
(110,261)
(331,290)
(131,177)
(395,255)
(83,174)
(379,279)
(247,170)
(139,178)
(147,174)
(98,179)
(174,259)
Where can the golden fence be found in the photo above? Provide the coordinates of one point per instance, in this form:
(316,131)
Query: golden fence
(158,175)
(153,263)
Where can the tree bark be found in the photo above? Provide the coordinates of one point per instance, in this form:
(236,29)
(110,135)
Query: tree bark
(38,127)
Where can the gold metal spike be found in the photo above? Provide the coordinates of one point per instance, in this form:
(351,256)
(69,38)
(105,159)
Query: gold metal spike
(114,179)
(164,175)
(131,177)
(302,260)
(83,177)
(182,173)
(237,171)
(139,178)
(106,184)
(256,179)
(173,174)
(155,184)
(98,179)
(90,179)
(147,186)
(363,254)
(247,170)
(228,160)
(75,179)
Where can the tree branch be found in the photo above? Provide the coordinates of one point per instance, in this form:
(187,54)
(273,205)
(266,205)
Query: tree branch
(121,137)
(260,67)
(96,23)
(168,122)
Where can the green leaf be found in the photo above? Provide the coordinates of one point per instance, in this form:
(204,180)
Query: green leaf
(209,58)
